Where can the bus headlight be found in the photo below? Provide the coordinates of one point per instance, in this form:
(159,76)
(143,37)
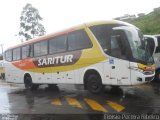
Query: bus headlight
(146,68)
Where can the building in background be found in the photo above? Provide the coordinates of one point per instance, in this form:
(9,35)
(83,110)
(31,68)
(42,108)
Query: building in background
(126,17)
(141,14)
(157,9)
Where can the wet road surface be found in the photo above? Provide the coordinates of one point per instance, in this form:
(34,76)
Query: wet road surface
(73,101)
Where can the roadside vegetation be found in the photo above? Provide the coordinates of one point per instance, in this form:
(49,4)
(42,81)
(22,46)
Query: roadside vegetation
(149,24)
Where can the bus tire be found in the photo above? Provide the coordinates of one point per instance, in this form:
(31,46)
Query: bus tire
(94,84)
(157,76)
(29,85)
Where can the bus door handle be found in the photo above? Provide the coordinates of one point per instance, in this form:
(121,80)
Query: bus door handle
(113,67)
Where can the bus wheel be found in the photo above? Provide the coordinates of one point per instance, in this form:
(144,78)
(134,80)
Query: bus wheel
(29,85)
(94,84)
(157,76)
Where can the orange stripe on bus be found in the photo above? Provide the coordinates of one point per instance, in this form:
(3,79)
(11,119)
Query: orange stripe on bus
(24,64)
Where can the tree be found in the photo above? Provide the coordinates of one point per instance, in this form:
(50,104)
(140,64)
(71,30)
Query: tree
(30,26)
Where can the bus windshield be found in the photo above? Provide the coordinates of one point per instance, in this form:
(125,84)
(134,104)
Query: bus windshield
(139,48)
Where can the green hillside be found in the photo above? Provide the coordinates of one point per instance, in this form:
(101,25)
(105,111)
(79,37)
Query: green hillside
(149,24)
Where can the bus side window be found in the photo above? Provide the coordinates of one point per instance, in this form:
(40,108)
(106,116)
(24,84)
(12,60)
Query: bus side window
(40,48)
(78,40)
(117,45)
(30,54)
(102,34)
(16,54)
(27,51)
(58,44)
(150,44)
(8,55)
(158,47)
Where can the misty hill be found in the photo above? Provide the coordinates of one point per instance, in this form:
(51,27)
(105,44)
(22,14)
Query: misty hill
(149,24)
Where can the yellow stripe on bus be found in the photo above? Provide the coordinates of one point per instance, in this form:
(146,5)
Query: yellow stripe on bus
(95,105)
(115,106)
(56,102)
(73,102)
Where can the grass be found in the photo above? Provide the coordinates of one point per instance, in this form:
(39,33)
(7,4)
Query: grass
(148,24)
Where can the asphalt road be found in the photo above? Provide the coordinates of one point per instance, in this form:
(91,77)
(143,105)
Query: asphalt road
(72,102)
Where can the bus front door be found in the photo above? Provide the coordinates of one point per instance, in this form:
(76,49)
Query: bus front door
(119,65)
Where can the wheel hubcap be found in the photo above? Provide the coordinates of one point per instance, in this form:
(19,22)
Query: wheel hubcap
(94,85)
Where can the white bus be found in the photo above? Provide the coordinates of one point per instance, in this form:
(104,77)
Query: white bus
(153,43)
(94,54)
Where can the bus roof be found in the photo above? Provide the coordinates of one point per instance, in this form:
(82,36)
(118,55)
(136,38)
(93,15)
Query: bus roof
(46,37)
